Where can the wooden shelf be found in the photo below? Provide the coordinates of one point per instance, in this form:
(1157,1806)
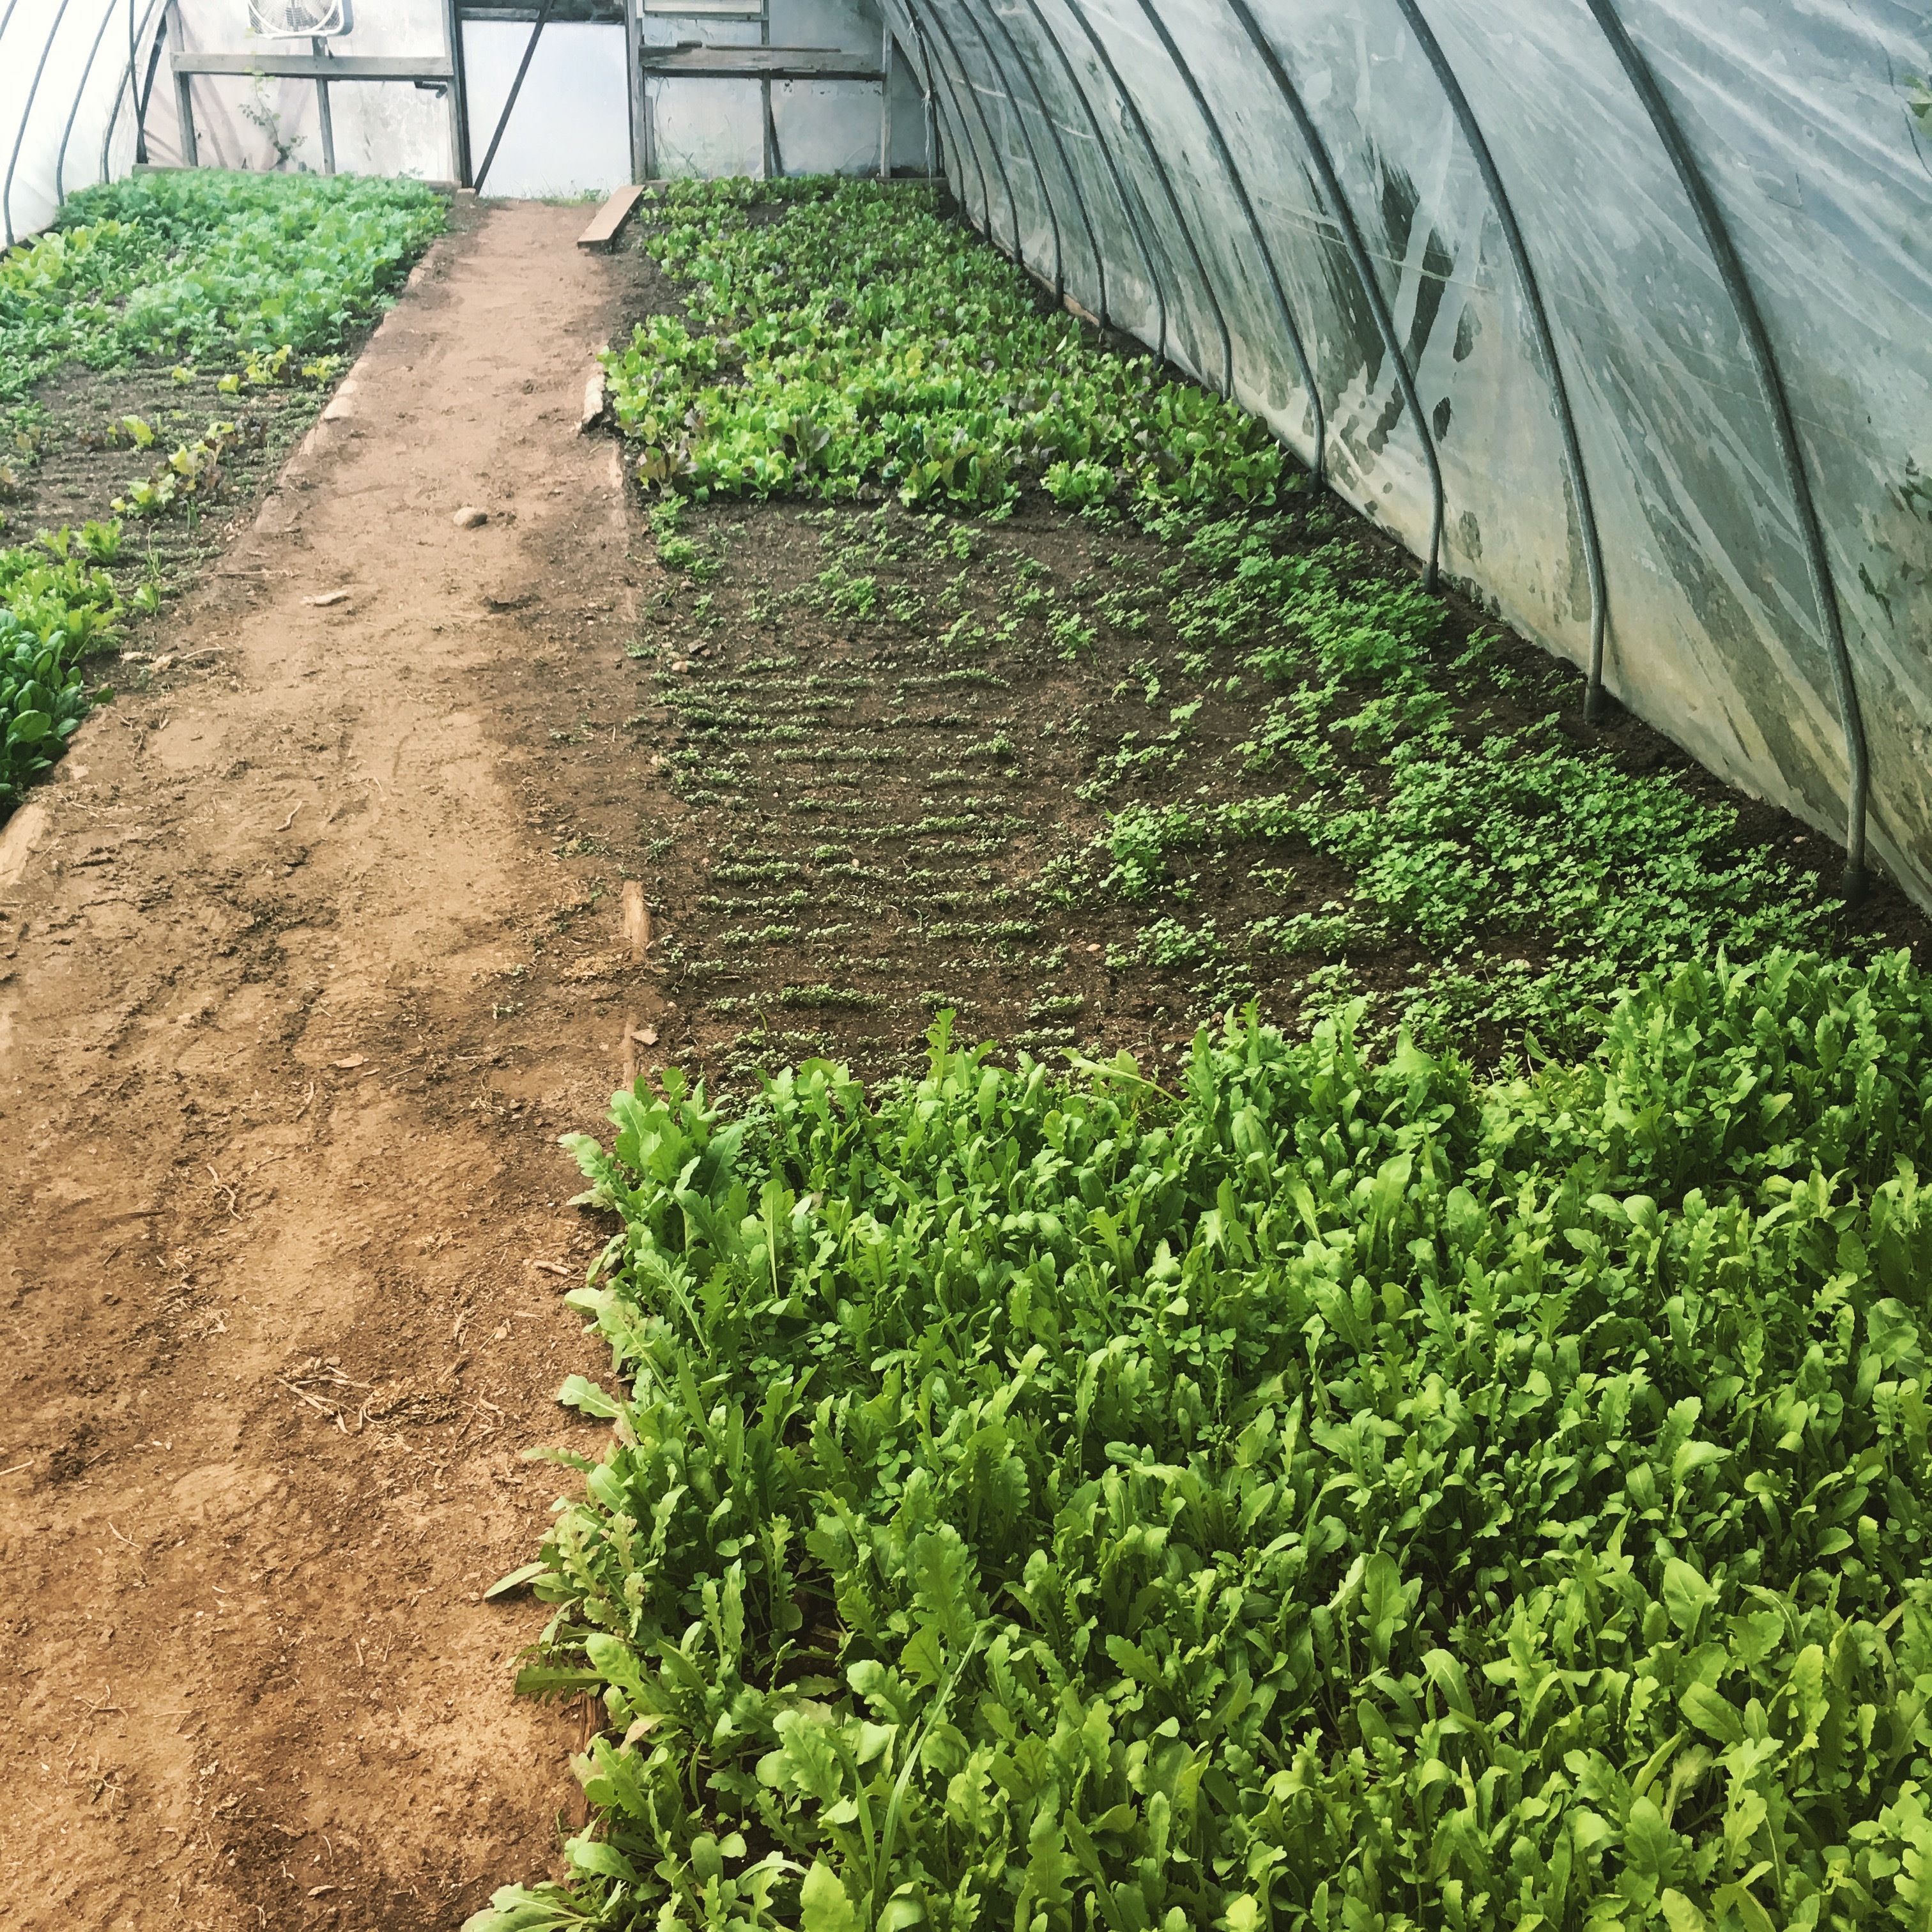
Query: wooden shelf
(314,67)
(761,63)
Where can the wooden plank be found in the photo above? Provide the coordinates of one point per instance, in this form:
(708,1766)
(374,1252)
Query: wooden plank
(761,63)
(313,66)
(600,237)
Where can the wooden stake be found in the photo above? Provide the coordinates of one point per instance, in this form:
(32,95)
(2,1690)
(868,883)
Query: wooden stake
(636,921)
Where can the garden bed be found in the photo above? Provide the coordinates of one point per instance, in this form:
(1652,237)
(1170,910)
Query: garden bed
(1446,1453)
(1089,776)
(161,351)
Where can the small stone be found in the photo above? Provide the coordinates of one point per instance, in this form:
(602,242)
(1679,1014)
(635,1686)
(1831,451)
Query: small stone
(469,517)
(680,664)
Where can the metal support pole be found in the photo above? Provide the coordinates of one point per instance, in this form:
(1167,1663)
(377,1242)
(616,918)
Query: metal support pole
(633,92)
(769,162)
(1372,291)
(459,94)
(1039,173)
(516,88)
(80,93)
(1060,148)
(1120,186)
(20,132)
(184,91)
(140,128)
(986,128)
(885,104)
(935,76)
(1757,340)
(1173,207)
(129,85)
(1573,450)
(1281,311)
(320,48)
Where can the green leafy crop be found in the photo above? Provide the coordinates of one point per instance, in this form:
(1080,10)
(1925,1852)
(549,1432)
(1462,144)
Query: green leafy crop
(860,339)
(1345,1494)
(54,608)
(199,262)
(1538,878)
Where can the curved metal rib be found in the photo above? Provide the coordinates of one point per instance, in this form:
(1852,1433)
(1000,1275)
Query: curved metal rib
(1818,564)
(1260,240)
(1351,237)
(1106,155)
(1033,155)
(1066,166)
(79,93)
(937,77)
(986,127)
(1573,450)
(1173,207)
(26,114)
(127,84)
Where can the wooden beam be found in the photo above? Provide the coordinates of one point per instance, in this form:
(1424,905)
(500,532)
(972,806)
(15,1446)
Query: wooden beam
(761,63)
(600,237)
(190,154)
(311,67)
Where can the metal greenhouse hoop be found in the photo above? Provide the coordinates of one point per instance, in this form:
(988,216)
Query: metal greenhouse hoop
(1059,149)
(79,94)
(1260,240)
(1127,101)
(1352,236)
(986,128)
(1818,564)
(1512,239)
(1039,173)
(1106,155)
(940,79)
(26,114)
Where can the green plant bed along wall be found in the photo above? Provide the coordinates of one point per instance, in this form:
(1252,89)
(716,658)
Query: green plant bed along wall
(1337,1483)
(267,273)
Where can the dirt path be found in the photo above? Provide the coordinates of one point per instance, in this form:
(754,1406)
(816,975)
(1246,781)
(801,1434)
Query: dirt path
(278,1096)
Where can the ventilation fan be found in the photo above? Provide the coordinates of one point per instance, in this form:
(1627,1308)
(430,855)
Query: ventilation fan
(300,20)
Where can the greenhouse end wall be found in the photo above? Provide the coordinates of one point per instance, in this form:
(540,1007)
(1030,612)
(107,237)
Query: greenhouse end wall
(1256,175)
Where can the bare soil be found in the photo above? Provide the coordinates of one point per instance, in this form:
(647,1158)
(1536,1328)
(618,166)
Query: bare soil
(283,1223)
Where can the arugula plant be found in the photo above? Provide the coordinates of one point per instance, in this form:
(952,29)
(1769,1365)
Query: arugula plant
(1343,1492)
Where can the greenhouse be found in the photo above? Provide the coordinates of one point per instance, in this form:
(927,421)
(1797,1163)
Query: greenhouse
(963,964)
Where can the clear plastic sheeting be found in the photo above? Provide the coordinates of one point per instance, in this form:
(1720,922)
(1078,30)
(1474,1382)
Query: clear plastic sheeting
(1280,188)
